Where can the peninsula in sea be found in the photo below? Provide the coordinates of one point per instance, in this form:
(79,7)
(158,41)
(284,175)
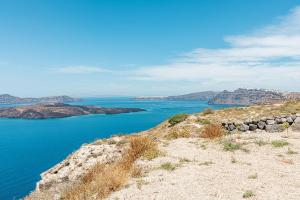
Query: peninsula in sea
(58,110)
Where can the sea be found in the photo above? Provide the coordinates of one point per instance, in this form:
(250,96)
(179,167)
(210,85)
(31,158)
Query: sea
(30,147)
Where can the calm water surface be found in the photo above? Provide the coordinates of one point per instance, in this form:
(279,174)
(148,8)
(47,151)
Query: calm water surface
(29,147)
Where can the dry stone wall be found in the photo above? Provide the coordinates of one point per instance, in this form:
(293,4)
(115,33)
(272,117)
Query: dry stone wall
(269,124)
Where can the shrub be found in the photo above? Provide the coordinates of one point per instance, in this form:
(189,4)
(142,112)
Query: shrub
(175,133)
(248,194)
(212,131)
(208,111)
(151,154)
(168,166)
(177,119)
(203,121)
(231,146)
(279,143)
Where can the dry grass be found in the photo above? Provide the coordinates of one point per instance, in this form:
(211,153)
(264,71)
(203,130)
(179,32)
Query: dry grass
(101,180)
(212,131)
(178,133)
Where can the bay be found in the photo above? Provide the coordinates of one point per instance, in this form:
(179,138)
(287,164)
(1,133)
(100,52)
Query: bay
(29,147)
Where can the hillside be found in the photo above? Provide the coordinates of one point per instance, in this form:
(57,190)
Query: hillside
(188,157)
(9,99)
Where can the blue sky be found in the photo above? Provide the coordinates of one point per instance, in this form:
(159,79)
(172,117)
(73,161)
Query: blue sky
(165,47)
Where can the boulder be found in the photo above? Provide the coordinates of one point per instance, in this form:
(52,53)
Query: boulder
(231,127)
(252,127)
(296,124)
(270,121)
(289,120)
(261,125)
(278,120)
(244,127)
(283,120)
(293,117)
(274,128)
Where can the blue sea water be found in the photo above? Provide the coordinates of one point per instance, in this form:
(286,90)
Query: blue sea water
(29,147)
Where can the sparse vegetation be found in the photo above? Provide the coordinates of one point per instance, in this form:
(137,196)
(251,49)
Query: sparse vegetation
(101,180)
(175,133)
(231,146)
(286,126)
(177,119)
(203,121)
(208,111)
(184,160)
(254,176)
(248,194)
(152,153)
(136,172)
(290,151)
(233,160)
(212,131)
(260,142)
(206,163)
(140,183)
(168,166)
(279,143)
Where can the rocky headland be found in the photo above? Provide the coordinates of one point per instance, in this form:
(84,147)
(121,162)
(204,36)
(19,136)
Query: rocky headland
(197,156)
(58,110)
(9,99)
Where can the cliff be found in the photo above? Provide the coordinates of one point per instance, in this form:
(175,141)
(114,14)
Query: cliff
(236,97)
(9,99)
(182,160)
(58,110)
(248,97)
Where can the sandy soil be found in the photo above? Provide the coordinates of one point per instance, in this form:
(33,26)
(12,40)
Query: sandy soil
(205,171)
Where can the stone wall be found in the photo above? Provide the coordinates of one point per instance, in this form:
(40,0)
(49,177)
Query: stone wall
(269,124)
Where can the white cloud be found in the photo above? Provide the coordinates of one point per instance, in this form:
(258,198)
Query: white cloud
(81,70)
(269,57)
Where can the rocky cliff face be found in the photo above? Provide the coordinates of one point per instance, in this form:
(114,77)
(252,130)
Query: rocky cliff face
(9,99)
(58,110)
(248,97)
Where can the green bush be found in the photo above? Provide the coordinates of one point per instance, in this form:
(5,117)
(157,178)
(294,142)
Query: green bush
(177,119)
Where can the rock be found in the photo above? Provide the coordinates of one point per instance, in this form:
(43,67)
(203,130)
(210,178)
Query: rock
(283,120)
(231,127)
(270,121)
(298,115)
(274,128)
(77,164)
(252,127)
(261,125)
(289,120)
(294,117)
(278,120)
(244,127)
(296,124)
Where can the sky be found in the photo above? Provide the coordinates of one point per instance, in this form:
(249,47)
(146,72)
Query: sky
(147,48)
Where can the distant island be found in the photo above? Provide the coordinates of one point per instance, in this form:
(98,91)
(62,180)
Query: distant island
(200,96)
(9,99)
(58,110)
(236,97)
